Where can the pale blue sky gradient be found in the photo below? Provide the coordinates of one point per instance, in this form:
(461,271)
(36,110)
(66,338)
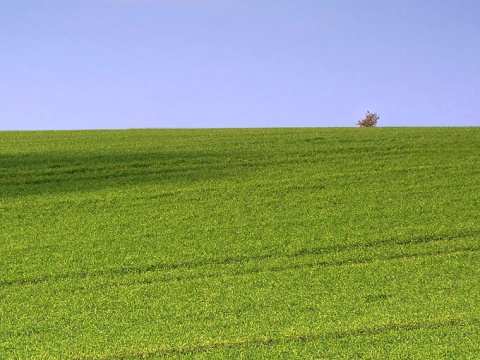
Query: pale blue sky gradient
(238,63)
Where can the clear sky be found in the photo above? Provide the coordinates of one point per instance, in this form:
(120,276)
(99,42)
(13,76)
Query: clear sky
(238,63)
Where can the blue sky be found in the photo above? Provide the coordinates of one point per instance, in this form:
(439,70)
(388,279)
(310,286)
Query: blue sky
(102,64)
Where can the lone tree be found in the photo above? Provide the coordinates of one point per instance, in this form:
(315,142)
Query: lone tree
(369,121)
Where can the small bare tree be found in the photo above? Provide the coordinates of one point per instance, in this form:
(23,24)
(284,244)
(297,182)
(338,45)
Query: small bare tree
(369,121)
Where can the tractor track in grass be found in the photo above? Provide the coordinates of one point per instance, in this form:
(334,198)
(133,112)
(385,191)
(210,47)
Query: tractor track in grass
(298,338)
(184,270)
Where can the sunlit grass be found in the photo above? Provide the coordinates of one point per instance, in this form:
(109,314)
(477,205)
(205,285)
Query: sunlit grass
(255,243)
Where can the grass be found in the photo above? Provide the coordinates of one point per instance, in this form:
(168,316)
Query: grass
(240,243)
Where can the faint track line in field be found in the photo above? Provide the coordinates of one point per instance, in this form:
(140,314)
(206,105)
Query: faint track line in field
(250,259)
(309,265)
(269,341)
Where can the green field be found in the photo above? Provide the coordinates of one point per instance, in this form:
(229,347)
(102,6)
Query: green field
(240,243)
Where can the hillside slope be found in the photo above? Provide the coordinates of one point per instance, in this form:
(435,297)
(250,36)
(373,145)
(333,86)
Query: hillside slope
(228,243)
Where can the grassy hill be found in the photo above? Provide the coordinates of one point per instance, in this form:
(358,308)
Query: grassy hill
(231,243)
